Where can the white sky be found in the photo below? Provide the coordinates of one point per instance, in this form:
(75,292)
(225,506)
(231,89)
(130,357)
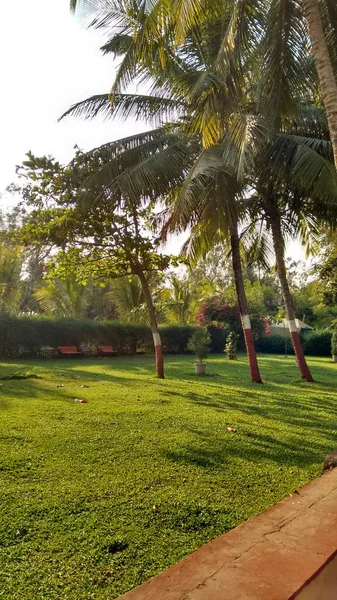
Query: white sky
(49,60)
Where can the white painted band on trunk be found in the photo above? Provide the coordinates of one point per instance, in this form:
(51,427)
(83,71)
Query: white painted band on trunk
(156,339)
(246,322)
(292,326)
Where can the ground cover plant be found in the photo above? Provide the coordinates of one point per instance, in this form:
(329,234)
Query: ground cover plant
(96,498)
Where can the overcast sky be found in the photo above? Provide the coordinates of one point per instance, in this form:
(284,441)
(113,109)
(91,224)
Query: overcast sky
(49,60)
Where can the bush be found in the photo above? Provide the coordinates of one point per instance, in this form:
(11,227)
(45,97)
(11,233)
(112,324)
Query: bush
(317,343)
(273,344)
(231,345)
(28,336)
(175,338)
(199,343)
(218,338)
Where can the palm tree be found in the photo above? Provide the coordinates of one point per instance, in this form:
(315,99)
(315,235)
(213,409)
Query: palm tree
(64,298)
(296,188)
(203,100)
(323,59)
(274,29)
(128,297)
(177,298)
(210,203)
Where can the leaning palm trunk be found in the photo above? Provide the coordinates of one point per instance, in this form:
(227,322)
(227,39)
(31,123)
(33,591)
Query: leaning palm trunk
(324,67)
(282,274)
(243,307)
(153,324)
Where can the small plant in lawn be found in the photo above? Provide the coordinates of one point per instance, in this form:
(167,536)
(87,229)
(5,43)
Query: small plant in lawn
(231,345)
(199,343)
(334,346)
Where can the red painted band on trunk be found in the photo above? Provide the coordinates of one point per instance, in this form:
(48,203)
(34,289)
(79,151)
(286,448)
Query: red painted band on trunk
(159,361)
(302,363)
(252,359)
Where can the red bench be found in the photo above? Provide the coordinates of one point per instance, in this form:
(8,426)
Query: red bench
(106,351)
(69,351)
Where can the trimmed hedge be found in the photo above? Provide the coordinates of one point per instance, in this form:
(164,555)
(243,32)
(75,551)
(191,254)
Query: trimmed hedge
(273,344)
(314,343)
(29,335)
(317,343)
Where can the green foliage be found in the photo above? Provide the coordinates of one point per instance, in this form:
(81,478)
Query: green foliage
(334,344)
(175,338)
(177,300)
(64,298)
(27,335)
(273,344)
(199,343)
(79,482)
(11,263)
(317,343)
(326,269)
(231,345)
(218,338)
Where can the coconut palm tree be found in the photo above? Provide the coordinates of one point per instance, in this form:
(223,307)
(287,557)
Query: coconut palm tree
(204,102)
(64,298)
(295,189)
(320,37)
(177,298)
(274,29)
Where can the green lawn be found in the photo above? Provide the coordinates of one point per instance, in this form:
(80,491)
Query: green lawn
(98,497)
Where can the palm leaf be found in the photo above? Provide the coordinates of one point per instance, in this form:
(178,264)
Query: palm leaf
(147,108)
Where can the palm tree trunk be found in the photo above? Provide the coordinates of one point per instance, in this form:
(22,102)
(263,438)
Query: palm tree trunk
(158,348)
(243,307)
(282,274)
(324,67)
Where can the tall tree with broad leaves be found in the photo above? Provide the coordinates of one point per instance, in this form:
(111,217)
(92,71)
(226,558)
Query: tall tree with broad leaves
(96,212)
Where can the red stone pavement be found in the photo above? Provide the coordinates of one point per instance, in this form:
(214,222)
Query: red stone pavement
(269,557)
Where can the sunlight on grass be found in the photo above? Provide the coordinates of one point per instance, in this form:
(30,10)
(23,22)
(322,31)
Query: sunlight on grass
(98,497)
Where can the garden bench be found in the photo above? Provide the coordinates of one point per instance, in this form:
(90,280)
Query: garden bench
(69,351)
(106,351)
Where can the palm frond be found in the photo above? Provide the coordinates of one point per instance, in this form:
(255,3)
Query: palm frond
(122,106)
(285,51)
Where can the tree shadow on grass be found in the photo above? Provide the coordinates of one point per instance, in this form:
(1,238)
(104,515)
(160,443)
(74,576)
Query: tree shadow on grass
(252,448)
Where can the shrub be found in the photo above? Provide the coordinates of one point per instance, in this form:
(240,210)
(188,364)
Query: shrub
(218,338)
(317,343)
(29,335)
(231,345)
(273,344)
(199,343)
(175,338)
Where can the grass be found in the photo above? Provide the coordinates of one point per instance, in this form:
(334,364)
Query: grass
(96,498)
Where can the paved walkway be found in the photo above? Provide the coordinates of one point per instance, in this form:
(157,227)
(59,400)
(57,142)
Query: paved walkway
(269,557)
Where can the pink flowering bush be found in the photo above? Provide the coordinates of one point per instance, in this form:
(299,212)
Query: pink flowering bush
(267,325)
(215,314)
